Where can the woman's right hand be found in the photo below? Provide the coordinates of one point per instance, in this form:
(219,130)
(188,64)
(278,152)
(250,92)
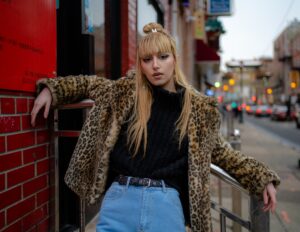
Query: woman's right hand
(44,99)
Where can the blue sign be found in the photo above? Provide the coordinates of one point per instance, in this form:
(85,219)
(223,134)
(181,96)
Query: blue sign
(219,7)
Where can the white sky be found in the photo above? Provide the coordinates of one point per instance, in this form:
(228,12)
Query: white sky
(253,27)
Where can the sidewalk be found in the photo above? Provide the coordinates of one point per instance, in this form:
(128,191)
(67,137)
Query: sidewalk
(264,147)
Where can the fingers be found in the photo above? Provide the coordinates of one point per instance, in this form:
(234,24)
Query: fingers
(47,108)
(265,195)
(44,99)
(269,196)
(36,108)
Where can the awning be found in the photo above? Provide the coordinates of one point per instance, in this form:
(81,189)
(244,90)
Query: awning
(205,53)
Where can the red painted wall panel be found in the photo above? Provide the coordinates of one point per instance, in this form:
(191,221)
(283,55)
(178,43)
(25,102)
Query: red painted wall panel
(27,43)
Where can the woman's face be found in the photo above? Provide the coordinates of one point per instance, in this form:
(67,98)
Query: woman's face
(159,70)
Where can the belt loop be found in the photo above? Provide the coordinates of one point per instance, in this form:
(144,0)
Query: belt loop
(128,181)
(163,186)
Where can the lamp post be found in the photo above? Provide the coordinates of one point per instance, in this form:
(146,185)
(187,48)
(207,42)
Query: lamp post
(241,118)
(241,65)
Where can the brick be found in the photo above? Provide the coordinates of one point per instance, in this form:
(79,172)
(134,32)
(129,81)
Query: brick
(2,182)
(42,136)
(9,124)
(20,175)
(9,161)
(35,185)
(43,196)
(41,122)
(43,226)
(20,210)
(43,166)
(22,105)
(26,122)
(7,105)
(34,154)
(2,144)
(30,104)
(20,140)
(34,218)
(14,227)
(2,219)
(9,197)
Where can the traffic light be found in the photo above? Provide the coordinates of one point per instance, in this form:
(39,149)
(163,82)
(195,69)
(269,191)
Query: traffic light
(269,91)
(231,82)
(294,79)
(225,88)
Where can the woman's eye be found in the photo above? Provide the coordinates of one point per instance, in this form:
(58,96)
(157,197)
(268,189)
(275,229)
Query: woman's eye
(164,56)
(146,60)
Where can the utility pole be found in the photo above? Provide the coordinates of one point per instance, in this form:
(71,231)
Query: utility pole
(241,118)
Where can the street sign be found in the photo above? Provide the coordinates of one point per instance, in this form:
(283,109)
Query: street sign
(219,7)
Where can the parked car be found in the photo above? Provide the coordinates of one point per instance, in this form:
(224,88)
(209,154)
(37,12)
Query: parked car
(279,112)
(263,111)
(250,109)
(297,115)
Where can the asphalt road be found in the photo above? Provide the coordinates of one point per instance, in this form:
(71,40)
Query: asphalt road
(283,130)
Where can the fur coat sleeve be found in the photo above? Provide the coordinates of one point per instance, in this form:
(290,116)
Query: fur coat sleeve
(250,173)
(70,89)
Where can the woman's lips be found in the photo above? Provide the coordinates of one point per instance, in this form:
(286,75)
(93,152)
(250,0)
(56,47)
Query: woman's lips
(157,75)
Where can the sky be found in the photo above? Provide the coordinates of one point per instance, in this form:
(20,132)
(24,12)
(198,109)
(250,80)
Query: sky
(253,27)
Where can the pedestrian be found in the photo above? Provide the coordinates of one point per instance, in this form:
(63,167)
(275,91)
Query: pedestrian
(149,139)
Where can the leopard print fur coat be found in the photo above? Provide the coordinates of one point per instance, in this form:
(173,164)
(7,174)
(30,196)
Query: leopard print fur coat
(88,168)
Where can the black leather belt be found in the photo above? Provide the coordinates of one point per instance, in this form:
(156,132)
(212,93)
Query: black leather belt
(136,181)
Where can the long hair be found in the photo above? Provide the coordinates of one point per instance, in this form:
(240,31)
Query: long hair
(156,40)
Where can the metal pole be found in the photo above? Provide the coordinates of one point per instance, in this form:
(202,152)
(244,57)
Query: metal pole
(82,215)
(241,119)
(223,222)
(260,220)
(236,194)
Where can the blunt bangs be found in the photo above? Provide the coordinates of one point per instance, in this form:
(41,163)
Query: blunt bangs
(154,43)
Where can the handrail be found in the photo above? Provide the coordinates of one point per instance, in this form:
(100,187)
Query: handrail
(220,173)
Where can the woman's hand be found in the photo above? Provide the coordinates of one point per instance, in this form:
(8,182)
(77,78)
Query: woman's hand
(44,99)
(269,196)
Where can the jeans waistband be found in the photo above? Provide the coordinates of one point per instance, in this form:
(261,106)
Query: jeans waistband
(136,181)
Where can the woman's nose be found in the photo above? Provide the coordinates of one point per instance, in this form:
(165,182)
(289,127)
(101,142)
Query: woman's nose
(155,63)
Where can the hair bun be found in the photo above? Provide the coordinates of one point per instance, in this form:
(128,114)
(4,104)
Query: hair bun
(150,27)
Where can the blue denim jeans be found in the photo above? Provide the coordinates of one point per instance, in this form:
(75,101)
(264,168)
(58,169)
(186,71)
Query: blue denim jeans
(127,208)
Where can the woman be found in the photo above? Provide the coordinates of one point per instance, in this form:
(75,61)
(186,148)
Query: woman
(153,137)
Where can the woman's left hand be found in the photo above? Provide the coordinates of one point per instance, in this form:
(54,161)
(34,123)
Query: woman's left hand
(269,195)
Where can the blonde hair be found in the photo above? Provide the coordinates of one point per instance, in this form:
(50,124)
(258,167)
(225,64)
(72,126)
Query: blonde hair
(156,40)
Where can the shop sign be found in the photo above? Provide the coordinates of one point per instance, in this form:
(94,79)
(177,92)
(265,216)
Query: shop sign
(27,43)
(199,25)
(219,7)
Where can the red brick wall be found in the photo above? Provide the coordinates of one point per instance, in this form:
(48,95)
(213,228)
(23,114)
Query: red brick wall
(128,34)
(24,166)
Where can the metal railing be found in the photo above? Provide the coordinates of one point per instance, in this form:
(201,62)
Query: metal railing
(259,220)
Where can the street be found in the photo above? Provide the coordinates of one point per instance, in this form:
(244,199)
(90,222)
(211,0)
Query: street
(286,131)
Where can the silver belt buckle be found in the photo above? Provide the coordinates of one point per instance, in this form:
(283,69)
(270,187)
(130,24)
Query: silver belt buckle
(148,182)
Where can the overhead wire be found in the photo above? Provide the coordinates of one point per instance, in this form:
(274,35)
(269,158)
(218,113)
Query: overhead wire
(279,27)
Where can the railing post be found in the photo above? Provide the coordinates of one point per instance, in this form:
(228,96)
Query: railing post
(236,194)
(260,220)
(82,215)
(230,123)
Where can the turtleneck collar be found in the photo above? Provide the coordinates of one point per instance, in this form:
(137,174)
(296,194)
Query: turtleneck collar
(168,98)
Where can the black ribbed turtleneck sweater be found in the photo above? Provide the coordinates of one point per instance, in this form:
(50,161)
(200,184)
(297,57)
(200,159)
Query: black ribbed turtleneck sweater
(163,159)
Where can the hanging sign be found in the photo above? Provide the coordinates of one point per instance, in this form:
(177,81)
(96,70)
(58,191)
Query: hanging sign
(199,25)
(219,7)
